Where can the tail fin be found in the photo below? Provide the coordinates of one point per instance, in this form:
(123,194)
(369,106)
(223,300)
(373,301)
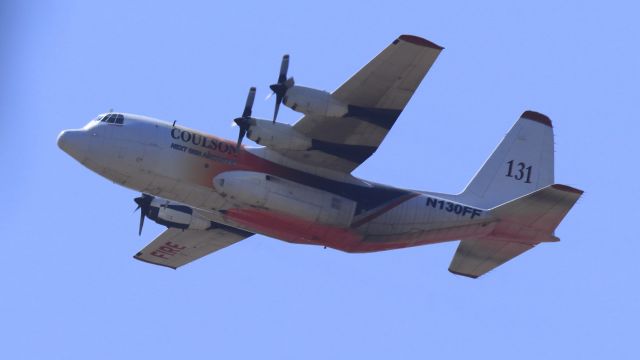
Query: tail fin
(521,164)
(522,224)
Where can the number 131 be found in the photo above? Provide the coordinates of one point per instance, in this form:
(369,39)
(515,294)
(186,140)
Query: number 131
(519,171)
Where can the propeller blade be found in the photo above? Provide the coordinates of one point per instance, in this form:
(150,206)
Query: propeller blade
(278,102)
(144,204)
(280,88)
(142,216)
(249,104)
(284,67)
(241,135)
(244,122)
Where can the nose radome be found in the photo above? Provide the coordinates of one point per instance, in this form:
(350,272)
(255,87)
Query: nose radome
(61,139)
(74,143)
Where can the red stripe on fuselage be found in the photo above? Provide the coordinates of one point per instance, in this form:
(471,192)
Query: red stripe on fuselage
(295,230)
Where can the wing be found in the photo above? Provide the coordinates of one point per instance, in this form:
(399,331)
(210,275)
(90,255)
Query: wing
(174,247)
(376,96)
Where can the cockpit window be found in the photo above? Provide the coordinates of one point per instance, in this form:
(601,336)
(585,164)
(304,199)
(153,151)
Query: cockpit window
(117,119)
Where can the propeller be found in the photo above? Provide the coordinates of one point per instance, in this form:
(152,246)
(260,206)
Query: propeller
(280,88)
(244,122)
(144,204)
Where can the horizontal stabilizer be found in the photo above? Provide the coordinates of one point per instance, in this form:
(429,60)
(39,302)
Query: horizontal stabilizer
(476,257)
(542,210)
(521,224)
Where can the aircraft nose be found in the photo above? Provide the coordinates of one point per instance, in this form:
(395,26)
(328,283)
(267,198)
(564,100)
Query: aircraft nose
(74,143)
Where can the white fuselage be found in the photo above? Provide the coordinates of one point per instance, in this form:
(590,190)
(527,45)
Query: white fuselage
(261,191)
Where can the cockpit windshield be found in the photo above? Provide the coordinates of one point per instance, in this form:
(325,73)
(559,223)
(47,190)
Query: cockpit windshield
(117,119)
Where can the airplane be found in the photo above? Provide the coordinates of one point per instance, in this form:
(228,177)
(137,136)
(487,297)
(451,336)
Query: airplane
(297,185)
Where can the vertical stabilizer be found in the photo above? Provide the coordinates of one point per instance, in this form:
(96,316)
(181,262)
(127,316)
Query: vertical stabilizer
(521,164)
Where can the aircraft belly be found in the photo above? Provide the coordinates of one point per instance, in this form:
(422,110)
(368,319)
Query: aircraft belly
(293,229)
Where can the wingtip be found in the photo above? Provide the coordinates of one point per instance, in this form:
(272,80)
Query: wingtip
(537,117)
(567,188)
(463,274)
(139,258)
(420,41)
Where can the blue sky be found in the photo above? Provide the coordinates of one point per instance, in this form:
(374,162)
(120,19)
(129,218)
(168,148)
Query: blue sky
(70,289)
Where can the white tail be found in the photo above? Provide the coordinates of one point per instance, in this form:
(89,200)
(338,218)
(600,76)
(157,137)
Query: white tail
(521,164)
(516,183)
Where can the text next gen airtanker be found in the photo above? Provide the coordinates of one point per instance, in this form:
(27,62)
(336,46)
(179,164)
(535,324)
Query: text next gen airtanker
(297,187)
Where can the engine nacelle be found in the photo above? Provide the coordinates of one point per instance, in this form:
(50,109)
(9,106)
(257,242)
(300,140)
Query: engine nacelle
(314,102)
(277,135)
(176,215)
(267,191)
